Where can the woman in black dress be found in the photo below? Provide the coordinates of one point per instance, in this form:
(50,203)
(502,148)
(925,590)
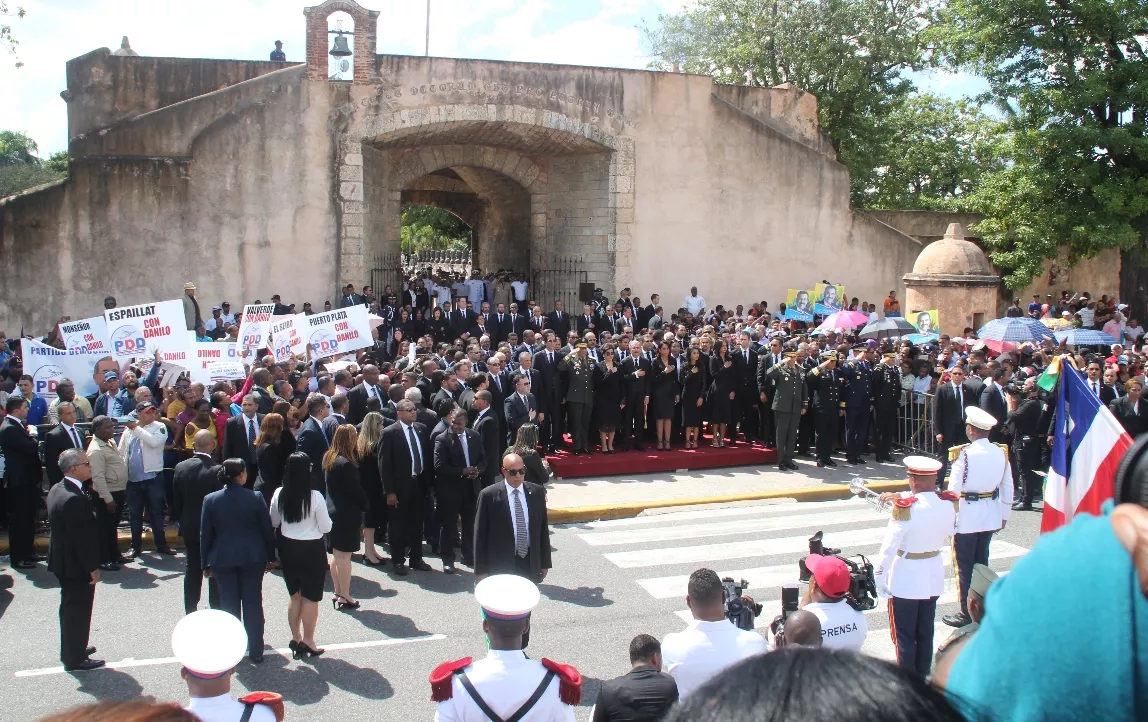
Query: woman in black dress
(608,398)
(376,516)
(526,446)
(404,323)
(695,379)
(418,324)
(270,455)
(346,502)
(436,325)
(721,391)
(664,393)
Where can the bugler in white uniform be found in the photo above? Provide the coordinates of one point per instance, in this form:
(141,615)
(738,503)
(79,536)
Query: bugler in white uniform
(506,681)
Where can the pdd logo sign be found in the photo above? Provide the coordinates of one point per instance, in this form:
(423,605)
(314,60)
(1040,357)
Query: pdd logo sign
(128,339)
(253,337)
(323,343)
(46,379)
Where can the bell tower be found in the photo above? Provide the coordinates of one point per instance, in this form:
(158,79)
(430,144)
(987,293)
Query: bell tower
(365,40)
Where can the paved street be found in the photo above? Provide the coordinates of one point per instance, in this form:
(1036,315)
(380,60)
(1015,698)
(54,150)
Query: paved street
(612,580)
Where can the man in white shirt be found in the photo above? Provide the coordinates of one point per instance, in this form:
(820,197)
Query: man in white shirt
(842,626)
(519,288)
(711,643)
(694,303)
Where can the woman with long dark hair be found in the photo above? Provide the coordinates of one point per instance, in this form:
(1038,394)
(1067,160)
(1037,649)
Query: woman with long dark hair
(346,502)
(270,455)
(376,517)
(695,379)
(300,513)
(526,446)
(608,399)
(436,325)
(722,389)
(664,393)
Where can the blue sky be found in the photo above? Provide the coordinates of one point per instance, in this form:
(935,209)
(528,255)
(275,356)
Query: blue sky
(582,32)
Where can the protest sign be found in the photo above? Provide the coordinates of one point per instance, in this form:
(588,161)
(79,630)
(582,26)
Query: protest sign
(337,332)
(254,329)
(223,371)
(287,338)
(47,365)
(829,298)
(927,321)
(798,306)
(89,335)
(137,331)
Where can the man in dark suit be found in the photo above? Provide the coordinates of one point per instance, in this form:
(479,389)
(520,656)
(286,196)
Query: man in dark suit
(745,362)
(499,325)
(486,424)
(768,357)
(635,369)
(949,407)
(238,545)
(358,395)
(461,319)
(62,437)
(511,528)
(549,394)
(194,479)
(992,399)
(22,479)
(350,298)
(239,435)
(646,693)
(337,417)
(520,407)
(459,461)
(558,320)
(311,439)
(515,323)
(498,384)
(74,557)
(406,467)
(588,321)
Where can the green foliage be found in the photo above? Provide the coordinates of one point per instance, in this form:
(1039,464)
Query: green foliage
(58,162)
(17,148)
(851,54)
(938,152)
(7,40)
(16,178)
(429,228)
(1072,78)
(21,169)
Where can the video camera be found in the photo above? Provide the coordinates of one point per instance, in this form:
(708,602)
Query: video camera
(739,609)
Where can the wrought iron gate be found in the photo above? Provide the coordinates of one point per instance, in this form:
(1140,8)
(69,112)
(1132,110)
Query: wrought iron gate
(385,269)
(560,280)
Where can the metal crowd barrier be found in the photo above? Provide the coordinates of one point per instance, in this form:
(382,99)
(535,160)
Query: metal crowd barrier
(915,432)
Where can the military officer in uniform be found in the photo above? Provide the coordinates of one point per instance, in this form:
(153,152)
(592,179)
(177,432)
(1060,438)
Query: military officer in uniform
(209,644)
(824,394)
(982,478)
(858,381)
(578,368)
(506,684)
(788,382)
(909,568)
(886,400)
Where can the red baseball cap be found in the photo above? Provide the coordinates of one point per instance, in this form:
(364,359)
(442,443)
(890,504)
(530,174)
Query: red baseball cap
(831,573)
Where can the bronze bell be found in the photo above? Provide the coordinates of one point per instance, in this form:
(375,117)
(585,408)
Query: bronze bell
(340,49)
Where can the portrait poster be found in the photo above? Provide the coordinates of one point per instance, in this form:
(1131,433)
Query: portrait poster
(48,364)
(926,321)
(828,298)
(799,305)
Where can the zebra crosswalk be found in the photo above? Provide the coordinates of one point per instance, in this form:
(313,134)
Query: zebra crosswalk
(761,544)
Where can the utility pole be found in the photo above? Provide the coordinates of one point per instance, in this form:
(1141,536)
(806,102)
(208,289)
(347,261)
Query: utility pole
(426,51)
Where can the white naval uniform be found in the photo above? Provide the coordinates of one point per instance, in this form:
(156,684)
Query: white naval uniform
(988,468)
(504,680)
(225,709)
(932,520)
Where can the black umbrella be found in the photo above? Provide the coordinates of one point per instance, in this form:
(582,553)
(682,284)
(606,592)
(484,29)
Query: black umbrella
(886,327)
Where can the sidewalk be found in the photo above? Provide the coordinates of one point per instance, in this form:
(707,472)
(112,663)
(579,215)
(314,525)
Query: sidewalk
(618,497)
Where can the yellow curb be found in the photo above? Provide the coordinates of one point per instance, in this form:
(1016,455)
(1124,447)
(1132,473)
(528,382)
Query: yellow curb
(124,537)
(572,515)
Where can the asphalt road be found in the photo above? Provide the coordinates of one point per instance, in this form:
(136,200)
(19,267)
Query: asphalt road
(611,581)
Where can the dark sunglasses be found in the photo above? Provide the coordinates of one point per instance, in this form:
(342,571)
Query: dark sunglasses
(514,472)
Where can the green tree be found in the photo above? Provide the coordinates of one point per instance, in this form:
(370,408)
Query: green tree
(58,162)
(1072,79)
(21,168)
(429,228)
(16,148)
(939,151)
(851,54)
(7,39)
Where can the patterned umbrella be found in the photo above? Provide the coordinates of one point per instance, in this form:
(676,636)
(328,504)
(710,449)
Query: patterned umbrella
(843,320)
(887,327)
(1014,330)
(1085,337)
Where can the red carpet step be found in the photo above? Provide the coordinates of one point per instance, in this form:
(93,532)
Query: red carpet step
(568,466)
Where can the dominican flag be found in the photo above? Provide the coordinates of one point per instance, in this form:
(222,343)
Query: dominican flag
(1088,444)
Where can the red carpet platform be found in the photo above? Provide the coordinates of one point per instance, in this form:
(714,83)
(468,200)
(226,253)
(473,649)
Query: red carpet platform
(568,466)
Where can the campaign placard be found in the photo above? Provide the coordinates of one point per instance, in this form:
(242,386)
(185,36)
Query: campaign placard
(337,332)
(829,298)
(136,331)
(927,321)
(255,327)
(223,371)
(798,305)
(89,335)
(48,364)
(287,338)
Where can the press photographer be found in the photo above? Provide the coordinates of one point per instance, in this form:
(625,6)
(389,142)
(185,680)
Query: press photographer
(842,626)
(711,642)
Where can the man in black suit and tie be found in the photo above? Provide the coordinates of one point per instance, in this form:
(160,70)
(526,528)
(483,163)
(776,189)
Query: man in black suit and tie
(515,323)
(459,461)
(992,399)
(498,384)
(62,437)
(22,479)
(337,417)
(608,322)
(312,441)
(511,529)
(745,363)
(549,394)
(635,370)
(358,395)
(520,407)
(588,321)
(350,298)
(499,325)
(558,320)
(486,424)
(406,467)
(461,319)
(194,479)
(240,433)
(767,359)
(949,414)
(74,557)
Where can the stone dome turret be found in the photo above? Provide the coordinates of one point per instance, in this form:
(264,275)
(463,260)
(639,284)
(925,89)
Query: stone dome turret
(952,256)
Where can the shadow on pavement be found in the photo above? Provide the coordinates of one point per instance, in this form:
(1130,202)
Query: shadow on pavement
(131,577)
(300,685)
(359,681)
(109,684)
(370,589)
(580,597)
(6,597)
(394,626)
